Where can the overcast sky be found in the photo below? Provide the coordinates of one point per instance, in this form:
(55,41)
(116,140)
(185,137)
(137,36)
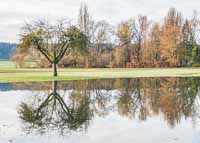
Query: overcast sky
(14,13)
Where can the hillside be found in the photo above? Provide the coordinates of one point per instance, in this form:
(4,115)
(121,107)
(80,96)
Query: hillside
(6,50)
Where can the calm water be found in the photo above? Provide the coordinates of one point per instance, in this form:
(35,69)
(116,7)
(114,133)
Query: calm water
(146,110)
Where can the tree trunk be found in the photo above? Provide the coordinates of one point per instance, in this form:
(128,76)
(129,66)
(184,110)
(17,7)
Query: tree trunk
(54,66)
(54,87)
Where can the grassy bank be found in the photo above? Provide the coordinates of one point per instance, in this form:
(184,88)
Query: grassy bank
(22,75)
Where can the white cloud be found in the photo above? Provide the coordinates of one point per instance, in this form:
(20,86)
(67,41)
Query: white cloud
(13,13)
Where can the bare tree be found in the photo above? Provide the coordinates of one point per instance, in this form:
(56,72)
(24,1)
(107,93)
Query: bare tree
(86,25)
(140,31)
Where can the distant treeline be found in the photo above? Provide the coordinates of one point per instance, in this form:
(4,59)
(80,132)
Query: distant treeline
(6,50)
(137,42)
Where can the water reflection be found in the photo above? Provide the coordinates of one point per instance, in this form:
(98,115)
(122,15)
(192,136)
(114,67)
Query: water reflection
(54,112)
(71,106)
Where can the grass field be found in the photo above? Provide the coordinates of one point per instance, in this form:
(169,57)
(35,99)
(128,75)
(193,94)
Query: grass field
(9,73)
(22,75)
(9,64)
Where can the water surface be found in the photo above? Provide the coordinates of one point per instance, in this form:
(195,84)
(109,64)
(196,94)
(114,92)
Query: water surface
(144,110)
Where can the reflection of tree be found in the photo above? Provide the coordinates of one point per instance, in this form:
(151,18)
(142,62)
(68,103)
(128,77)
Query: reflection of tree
(54,112)
(130,99)
(126,102)
(142,98)
(178,98)
(173,98)
(98,92)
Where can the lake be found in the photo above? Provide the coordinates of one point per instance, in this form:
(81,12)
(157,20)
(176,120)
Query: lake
(140,110)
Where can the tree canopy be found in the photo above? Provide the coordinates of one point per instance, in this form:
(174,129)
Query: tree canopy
(53,41)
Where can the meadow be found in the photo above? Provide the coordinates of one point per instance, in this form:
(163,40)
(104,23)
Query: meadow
(8,73)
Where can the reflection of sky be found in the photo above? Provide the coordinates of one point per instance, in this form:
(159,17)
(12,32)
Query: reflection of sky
(111,129)
(13,13)
(5,86)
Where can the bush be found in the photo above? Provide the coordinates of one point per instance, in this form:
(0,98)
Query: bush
(196,65)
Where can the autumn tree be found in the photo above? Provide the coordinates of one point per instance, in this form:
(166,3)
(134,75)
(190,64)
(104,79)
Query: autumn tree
(120,57)
(123,52)
(152,56)
(133,43)
(20,59)
(172,50)
(52,41)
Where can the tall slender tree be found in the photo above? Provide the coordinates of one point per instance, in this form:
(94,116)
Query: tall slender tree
(140,32)
(86,25)
(124,35)
(153,51)
(171,38)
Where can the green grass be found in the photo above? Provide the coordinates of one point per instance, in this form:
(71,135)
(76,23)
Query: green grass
(22,75)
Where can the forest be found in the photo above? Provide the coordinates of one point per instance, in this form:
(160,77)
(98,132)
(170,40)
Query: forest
(136,43)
